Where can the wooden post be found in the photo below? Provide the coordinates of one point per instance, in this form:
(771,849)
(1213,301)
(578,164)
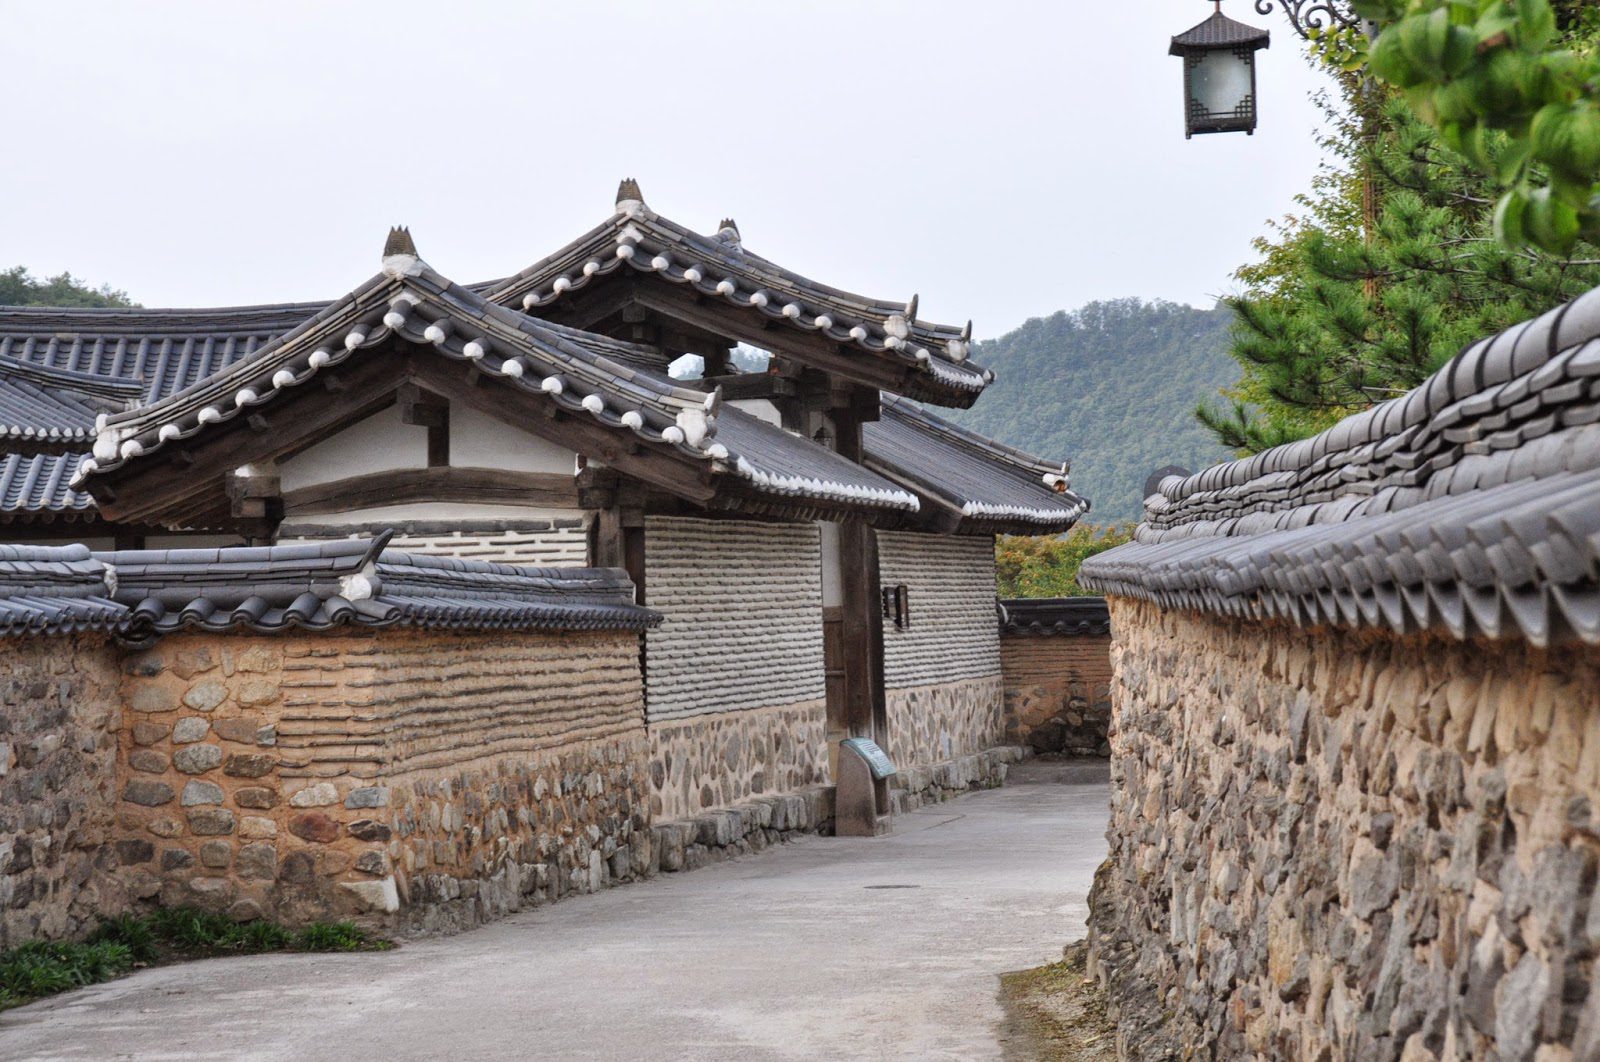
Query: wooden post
(862,629)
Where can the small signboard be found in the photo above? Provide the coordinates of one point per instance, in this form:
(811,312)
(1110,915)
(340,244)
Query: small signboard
(877,759)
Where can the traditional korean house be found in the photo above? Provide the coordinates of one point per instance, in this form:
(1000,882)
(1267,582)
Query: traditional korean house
(819,545)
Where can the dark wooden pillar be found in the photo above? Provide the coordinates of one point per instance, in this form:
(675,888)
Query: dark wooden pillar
(858,557)
(861,799)
(862,633)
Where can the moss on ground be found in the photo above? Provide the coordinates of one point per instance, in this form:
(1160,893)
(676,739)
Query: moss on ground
(1056,1013)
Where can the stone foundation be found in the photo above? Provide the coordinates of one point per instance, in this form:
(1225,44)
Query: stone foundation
(1335,845)
(944,721)
(719,759)
(58,754)
(1058,692)
(474,845)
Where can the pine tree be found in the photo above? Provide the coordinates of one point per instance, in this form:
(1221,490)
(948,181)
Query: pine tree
(1388,270)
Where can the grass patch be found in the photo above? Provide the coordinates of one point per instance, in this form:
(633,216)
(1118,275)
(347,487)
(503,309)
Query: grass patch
(119,945)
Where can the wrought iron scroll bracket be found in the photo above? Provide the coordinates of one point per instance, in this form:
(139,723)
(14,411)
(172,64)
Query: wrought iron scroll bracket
(1309,15)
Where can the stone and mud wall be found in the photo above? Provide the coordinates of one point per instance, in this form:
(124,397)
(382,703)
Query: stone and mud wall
(735,671)
(59,711)
(1058,692)
(449,777)
(943,689)
(1337,845)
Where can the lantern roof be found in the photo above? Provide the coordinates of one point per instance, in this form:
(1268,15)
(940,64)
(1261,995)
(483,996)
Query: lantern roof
(1220,31)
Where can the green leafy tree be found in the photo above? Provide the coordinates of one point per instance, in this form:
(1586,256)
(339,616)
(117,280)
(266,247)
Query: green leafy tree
(1048,567)
(20,288)
(1390,267)
(1514,86)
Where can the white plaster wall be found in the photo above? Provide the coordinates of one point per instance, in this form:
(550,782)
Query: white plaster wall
(380,443)
(832,566)
(760,408)
(454,512)
(563,544)
(478,440)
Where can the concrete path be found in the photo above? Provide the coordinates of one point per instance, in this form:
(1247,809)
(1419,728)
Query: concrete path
(821,949)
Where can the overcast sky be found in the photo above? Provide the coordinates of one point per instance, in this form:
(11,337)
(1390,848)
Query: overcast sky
(1004,159)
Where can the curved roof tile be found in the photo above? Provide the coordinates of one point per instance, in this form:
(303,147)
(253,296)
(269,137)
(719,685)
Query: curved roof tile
(1466,505)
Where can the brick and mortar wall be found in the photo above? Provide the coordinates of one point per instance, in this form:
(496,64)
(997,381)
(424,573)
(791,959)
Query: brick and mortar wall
(427,779)
(735,672)
(59,713)
(942,683)
(1057,691)
(1332,845)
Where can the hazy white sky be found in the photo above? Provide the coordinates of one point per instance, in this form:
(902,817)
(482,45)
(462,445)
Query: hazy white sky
(1003,158)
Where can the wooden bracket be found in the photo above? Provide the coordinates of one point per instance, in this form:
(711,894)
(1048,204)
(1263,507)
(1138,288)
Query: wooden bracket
(421,408)
(254,497)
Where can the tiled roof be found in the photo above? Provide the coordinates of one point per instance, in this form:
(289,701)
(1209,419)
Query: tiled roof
(53,590)
(1080,616)
(195,368)
(718,267)
(1219,31)
(141,594)
(40,484)
(48,409)
(992,486)
(573,370)
(1467,504)
(775,462)
(319,586)
(163,350)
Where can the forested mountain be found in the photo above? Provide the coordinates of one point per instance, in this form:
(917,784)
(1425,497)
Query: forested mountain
(1111,387)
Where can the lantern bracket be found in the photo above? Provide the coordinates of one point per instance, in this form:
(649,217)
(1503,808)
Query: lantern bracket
(1312,16)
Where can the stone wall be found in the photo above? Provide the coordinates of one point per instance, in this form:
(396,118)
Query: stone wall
(734,674)
(952,635)
(714,761)
(1058,692)
(942,688)
(59,713)
(1349,845)
(742,603)
(431,780)
(945,720)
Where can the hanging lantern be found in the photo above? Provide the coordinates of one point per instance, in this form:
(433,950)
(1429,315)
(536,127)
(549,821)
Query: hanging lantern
(1219,74)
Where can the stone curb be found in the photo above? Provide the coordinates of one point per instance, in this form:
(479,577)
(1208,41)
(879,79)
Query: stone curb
(918,786)
(689,844)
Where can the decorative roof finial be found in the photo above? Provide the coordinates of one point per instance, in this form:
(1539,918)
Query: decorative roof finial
(728,230)
(399,242)
(966,333)
(911,309)
(400,254)
(628,195)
